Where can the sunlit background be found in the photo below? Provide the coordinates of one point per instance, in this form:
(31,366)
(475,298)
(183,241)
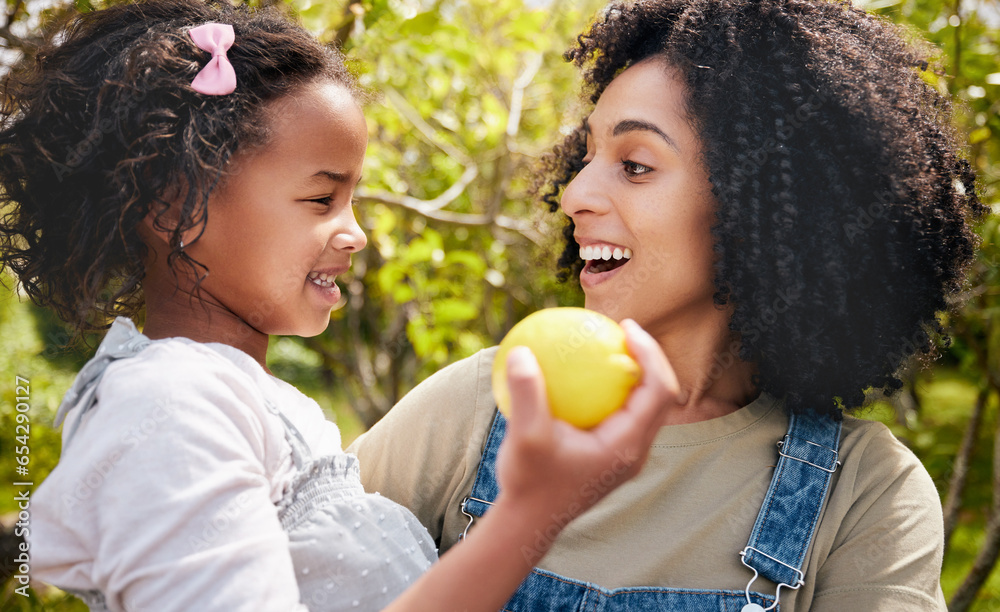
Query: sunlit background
(468,95)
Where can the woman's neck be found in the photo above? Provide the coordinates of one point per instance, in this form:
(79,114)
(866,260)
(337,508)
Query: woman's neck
(706,359)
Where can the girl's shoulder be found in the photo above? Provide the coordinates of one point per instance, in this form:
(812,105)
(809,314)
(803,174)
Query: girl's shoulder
(128,364)
(176,383)
(182,366)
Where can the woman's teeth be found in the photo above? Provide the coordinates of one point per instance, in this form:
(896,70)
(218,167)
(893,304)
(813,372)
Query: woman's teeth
(604,258)
(606,253)
(322,280)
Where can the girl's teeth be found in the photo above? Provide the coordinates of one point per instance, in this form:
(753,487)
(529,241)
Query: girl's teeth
(323,280)
(627,254)
(617,253)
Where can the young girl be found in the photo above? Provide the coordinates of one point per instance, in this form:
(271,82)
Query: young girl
(199,161)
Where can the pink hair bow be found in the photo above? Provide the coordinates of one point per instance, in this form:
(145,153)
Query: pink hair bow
(217,78)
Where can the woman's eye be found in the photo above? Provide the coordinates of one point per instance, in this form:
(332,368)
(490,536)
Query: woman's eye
(634,169)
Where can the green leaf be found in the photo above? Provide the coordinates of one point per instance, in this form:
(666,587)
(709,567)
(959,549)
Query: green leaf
(453,310)
(403,293)
(389,276)
(979,135)
(423,24)
(473,261)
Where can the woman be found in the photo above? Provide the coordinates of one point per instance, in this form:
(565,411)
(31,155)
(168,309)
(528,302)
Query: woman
(771,189)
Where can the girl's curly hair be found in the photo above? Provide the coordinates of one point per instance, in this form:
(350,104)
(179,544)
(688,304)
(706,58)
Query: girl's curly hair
(103,128)
(844,208)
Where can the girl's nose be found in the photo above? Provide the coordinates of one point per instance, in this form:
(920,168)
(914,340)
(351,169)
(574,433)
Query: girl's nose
(585,194)
(348,235)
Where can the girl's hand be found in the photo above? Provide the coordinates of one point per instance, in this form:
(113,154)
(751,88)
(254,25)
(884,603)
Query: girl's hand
(552,471)
(549,473)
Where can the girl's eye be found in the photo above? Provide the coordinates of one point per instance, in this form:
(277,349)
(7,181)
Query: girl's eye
(634,169)
(328,200)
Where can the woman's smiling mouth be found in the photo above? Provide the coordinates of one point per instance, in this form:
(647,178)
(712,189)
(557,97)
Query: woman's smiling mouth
(604,258)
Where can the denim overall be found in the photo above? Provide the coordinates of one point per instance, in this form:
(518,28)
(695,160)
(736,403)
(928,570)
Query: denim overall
(776,549)
(351,550)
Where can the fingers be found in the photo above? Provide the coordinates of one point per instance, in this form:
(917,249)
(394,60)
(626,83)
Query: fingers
(541,449)
(644,411)
(659,384)
(650,356)
(529,405)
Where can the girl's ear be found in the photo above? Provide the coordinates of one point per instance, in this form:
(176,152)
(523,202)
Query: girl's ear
(160,223)
(158,226)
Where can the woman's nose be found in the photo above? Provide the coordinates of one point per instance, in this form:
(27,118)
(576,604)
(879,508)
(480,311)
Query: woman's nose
(586,193)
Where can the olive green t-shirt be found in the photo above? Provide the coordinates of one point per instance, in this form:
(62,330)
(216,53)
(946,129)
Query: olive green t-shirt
(683,520)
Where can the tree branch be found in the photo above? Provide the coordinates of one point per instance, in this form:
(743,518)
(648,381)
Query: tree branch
(364,371)
(426,207)
(433,209)
(430,134)
(986,560)
(26,44)
(353,11)
(956,484)
(15,42)
(517,94)
(453,218)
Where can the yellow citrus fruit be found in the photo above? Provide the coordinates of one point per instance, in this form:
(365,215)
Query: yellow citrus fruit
(587,368)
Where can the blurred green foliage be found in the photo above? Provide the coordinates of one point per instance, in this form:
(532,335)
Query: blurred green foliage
(959,398)
(466,94)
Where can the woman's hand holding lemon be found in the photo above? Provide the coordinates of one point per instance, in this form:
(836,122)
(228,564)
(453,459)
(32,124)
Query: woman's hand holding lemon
(549,472)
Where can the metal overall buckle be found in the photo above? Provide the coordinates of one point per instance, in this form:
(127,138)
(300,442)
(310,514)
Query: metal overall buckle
(751,606)
(781,451)
(471,517)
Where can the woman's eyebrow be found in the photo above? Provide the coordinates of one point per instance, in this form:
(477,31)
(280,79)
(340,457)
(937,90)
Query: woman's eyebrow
(638,125)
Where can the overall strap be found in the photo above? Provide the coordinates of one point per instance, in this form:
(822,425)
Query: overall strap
(300,448)
(788,517)
(122,341)
(485,489)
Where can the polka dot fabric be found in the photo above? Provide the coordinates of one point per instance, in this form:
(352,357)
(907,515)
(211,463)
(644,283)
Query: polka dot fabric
(351,550)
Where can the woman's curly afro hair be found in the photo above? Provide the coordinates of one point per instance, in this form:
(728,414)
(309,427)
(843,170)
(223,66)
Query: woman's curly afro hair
(103,128)
(844,208)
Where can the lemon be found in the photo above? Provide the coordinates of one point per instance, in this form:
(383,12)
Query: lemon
(587,368)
